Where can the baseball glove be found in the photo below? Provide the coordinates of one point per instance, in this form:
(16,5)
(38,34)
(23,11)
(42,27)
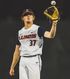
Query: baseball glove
(52,13)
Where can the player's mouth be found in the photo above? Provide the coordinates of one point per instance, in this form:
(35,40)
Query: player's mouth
(28,22)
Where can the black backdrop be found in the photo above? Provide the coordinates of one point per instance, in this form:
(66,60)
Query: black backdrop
(56,52)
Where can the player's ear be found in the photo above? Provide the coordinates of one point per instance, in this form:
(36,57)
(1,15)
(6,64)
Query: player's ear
(33,17)
(22,18)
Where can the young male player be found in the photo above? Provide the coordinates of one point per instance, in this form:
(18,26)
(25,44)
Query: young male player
(29,46)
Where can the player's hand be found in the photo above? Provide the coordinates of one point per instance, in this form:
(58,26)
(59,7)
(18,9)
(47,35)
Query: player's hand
(11,72)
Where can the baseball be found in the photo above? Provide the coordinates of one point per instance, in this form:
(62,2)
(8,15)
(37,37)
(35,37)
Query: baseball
(53,2)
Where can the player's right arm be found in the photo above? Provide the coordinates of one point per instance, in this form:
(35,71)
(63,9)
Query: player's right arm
(15,60)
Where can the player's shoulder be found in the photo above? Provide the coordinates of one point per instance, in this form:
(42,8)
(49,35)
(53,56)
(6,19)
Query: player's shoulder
(20,30)
(35,26)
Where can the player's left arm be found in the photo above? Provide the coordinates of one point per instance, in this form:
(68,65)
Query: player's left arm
(52,32)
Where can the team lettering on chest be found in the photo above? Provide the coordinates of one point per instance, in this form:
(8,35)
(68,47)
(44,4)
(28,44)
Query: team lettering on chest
(27,36)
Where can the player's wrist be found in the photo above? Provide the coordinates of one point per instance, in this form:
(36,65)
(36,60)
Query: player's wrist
(55,22)
(12,67)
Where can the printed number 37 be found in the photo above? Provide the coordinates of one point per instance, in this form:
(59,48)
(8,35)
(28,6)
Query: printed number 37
(32,42)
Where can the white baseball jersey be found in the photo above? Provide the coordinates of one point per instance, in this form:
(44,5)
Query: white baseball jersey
(31,43)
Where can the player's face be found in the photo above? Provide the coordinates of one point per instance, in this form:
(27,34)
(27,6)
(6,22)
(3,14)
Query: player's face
(28,19)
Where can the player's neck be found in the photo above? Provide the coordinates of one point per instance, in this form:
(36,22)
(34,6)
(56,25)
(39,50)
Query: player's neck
(27,26)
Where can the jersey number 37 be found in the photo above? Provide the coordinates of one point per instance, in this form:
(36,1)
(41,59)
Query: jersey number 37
(32,42)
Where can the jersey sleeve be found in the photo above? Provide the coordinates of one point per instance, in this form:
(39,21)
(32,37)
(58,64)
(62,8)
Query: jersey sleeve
(17,41)
(41,31)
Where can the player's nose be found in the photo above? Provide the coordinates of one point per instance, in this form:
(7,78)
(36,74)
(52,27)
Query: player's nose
(28,17)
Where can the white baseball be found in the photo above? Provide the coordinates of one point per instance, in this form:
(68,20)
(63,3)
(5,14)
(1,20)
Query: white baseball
(53,2)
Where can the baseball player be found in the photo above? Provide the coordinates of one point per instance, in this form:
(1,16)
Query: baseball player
(29,46)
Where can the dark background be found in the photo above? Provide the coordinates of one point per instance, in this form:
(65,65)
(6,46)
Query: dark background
(56,52)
